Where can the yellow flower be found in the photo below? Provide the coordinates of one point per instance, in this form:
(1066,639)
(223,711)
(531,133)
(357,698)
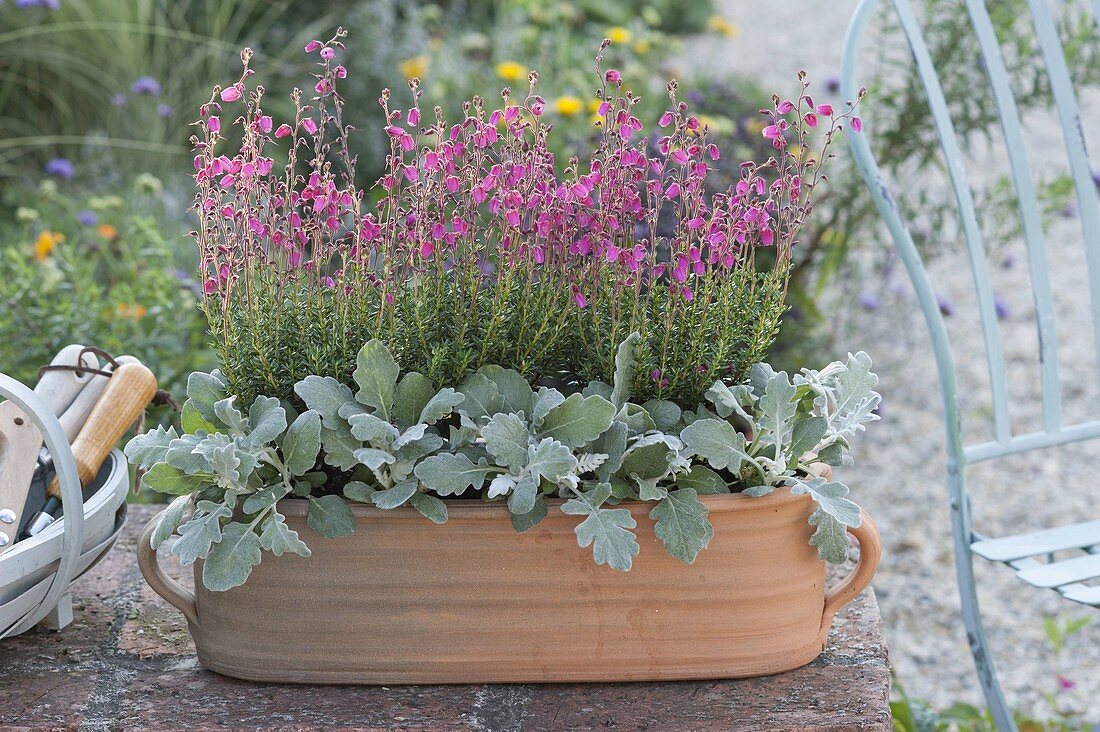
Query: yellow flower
(642,46)
(130,312)
(415,67)
(511,71)
(718,24)
(618,34)
(568,106)
(107,231)
(45,244)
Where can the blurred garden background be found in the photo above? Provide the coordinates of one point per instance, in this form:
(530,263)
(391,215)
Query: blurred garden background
(97,99)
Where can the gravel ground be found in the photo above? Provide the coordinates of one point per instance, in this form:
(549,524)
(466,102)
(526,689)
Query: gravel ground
(900,473)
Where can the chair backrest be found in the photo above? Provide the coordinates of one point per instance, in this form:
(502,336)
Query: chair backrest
(1053,429)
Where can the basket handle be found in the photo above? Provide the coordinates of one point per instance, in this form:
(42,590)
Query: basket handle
(870,552)
(72,498)
(176,594)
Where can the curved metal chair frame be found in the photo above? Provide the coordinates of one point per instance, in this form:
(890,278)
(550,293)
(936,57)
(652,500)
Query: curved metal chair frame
(1032,555)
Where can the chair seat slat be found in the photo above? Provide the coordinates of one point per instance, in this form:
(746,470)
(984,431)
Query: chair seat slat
(1061,573)
(1083,594)
(1006,549)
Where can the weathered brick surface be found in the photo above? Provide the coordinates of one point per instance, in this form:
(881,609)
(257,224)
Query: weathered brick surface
(127,662)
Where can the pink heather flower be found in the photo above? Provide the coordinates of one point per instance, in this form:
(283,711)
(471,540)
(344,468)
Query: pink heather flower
(329,282)
(785,106)
(672,191)
(666,119)
(265,124)
(341,72)
(210,287)
(214,124)
(1065,684)
(772,132)
(283,131)
(312,46)
(327,53)
(826,109)
(538,105)
(811,120)
(231,94)
(413,117)
(309,125)
(613,76)
(856,124)
(579,298)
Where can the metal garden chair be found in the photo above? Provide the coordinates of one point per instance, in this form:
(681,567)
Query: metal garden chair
(1032,555)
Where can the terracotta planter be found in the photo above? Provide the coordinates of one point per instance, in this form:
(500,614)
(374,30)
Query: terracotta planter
(404,601)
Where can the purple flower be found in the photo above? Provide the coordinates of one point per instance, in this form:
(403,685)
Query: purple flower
(1065,684)
(146,85)
(119,100)
(869,300)
(898,288)
(695,97)
(1004,312)
(51,4)
(832,84)
(87,218)
(947,308)
(1008,262)
(61,167)
(165,110)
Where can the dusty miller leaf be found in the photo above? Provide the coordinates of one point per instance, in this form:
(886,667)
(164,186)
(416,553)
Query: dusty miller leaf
(624,370)
(430,507)
(451,474)
(522,500)
(170,519)
(702,480)
(204,391)
(266,421)
(278,538)
(414,391)
(164,478)
(834,512)
(524,521)
(376,375)
(682,524)
(149,448)
(324,395)
(578,420)
(302,443)
(717,442)
(330,517)
(395,496)
(203,530)
(228,414)
(665,414)
(506,438)
(550,459)
(231,560)
(606,530)
(545,400)
(441,405)
(513,388)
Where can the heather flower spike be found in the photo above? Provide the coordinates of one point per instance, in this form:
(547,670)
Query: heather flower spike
(476,210)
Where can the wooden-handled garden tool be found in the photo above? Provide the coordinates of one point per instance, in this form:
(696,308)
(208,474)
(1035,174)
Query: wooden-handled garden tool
(128,391)
(20,439)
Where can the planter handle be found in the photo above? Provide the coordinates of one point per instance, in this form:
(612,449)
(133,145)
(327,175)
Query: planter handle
(870,551)
(175,593)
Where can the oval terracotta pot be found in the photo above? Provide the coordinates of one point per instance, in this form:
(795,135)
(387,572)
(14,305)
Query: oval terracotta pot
(405,601)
